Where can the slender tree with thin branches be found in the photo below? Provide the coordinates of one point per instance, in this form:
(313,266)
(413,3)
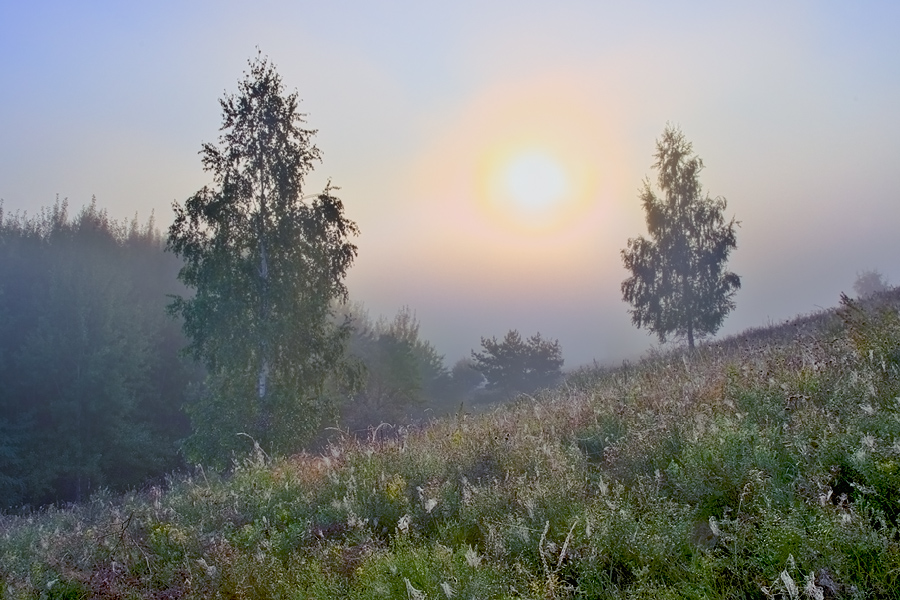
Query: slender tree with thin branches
(265,263)
(678,282)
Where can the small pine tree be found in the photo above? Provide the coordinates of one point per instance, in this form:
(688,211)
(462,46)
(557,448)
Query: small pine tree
(517,365)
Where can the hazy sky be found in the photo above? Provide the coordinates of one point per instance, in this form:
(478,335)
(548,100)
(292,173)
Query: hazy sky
(491,152)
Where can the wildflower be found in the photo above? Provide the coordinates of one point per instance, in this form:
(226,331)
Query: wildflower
(447,589)
(210,569)
(412,592)
(789,585)
(714,526)
(472,557)
(812,590)
(466,492)
(403,523)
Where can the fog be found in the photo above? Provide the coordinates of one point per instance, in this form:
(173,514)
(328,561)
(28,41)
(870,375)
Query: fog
(791,106)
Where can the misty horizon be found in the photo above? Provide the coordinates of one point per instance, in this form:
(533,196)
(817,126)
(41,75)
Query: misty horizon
(420,112)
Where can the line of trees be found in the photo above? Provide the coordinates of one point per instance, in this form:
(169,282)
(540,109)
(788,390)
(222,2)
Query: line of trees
(91,383)
(400,376)
(93,391)
(97,383)
(266,266)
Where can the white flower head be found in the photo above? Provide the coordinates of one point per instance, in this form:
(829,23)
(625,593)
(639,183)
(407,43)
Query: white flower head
(789,585)
(412,592)
(714,526)
(403,523)
(472,557)
(813,591)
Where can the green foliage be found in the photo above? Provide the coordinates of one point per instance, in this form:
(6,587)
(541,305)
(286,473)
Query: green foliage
(400,372)
(678,284)
(433,571)
(265,266)
(517,365)
(740,470)
(91,385)
(465,377)
(429,365)
(874,330)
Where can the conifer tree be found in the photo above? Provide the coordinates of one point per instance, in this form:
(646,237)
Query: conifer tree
(519,365)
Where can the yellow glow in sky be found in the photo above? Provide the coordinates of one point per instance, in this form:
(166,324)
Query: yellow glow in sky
(525,183)
(531,187)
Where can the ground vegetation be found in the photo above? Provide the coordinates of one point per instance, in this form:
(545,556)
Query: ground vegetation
(761,466)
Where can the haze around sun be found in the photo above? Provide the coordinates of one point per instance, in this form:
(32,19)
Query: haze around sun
(491,152)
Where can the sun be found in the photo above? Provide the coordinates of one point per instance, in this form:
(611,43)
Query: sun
(525,165)
(535,183)
(531,187)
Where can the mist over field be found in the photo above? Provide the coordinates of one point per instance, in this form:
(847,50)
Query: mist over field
(483,300)
(495,159)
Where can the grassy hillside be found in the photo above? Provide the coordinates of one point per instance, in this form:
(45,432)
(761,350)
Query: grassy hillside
(764,466)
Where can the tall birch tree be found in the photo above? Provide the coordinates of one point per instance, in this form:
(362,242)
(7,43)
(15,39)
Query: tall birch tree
(265,263)
(678,282)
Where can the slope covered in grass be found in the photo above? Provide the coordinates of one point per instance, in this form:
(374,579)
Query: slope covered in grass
(764,466)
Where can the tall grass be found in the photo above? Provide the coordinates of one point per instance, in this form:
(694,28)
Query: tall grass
(753,468)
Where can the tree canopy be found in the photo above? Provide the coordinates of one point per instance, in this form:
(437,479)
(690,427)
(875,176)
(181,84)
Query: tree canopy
(678,283)
(400,373)
(91,384)
(869,283)
(265,263)
(516,365)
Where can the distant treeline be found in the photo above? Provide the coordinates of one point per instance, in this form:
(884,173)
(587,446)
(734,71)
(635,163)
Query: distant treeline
(95,391)
(91,383)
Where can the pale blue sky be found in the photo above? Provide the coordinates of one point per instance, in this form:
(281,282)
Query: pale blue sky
(792,105)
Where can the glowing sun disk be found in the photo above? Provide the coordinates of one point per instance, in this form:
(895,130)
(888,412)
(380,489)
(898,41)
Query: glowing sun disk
(535,181)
